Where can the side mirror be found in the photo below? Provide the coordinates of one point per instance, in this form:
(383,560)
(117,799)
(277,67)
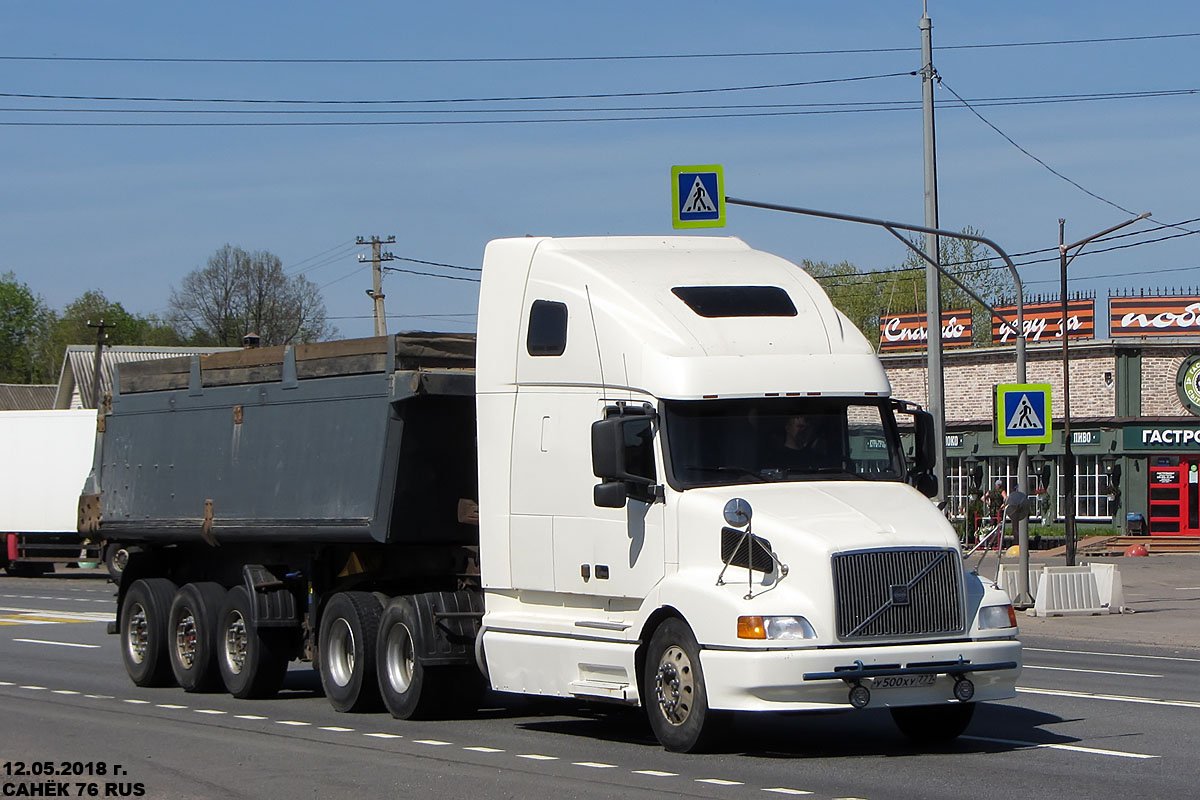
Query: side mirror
(926,450)
(927,484)
(611,494)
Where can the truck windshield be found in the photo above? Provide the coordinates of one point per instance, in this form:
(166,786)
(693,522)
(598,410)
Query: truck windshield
(720,442)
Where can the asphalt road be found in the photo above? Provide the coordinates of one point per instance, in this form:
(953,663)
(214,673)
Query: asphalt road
(1093,718)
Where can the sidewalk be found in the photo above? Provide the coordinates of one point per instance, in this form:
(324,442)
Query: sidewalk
(1161,591)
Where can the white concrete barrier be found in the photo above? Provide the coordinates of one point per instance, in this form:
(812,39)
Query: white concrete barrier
(1091,589)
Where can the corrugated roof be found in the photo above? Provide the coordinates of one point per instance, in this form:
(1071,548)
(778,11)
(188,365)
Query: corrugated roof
(75,380)
(27,397)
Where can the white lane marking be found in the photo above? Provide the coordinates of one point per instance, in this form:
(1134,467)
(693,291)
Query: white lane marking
(170,706)
(78,616)
(33,688)
(654,773)
(1095,671)
(1111,655)
(336,729)
(254,717)
(136,702)
(1114,697)
(594,765)
(719,782)
(1073,748)
(1187,588)
(293,722)
(7,683)
(210,711)
(537,757)
(432,742)
(483,749)
(99,696)
(59,644)
(64,691)
(383,736)
(785,790)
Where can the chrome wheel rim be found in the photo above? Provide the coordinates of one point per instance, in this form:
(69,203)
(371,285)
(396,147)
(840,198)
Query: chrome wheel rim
(340,652)
(674,685)
(400,658)
(186,639)
(137,635)
(236,643)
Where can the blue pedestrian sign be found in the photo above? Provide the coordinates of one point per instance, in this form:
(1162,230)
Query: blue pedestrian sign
(698,196)
(1023,413)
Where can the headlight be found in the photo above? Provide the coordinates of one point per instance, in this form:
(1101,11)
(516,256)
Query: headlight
(775,628)
(997,617)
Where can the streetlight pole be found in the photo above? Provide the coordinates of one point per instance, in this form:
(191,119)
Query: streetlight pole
(1068,468)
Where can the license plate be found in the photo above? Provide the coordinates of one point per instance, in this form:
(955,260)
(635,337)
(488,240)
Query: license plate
(903,681)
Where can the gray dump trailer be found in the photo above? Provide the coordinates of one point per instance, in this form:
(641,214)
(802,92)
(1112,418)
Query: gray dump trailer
(269,499)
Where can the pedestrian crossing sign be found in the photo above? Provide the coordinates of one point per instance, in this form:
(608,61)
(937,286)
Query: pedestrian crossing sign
(1023,413)
(698,196)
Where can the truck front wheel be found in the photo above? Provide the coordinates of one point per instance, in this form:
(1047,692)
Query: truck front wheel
(143,626)
(192,635)
(251,665)
(346,647)
(933,724)
(675,696)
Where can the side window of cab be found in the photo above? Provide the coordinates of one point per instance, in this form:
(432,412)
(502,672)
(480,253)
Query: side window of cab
(547,334)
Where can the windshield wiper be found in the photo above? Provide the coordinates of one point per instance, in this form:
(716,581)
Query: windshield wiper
(749,473)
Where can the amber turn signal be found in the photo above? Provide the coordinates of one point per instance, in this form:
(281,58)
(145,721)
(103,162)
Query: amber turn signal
(751,628)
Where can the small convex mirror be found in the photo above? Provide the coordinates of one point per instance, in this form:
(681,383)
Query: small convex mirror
(738,513)
(1016,508)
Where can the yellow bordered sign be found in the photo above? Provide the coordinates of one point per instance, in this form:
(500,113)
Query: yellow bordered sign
(1023,413)
(698,196)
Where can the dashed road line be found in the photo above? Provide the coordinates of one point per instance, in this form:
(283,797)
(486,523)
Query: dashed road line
(432,742)
(1096,751)
(484,749)
(656,773)
(59,644)
(250,717)
(537,757)
(336,729)
(170,706)
(63,691)
(593,765)
(33,688)
(1118,698)
(383,735)
(133,701)
(1110,655)
(1094,671)
(785,790)
(210,711)
(719,782)
(293,722)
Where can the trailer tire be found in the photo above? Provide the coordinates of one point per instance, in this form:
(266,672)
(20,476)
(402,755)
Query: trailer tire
(143,627)
(675,696)
(410,690)
(251,664)
(346,648)
(933,724)
(192,636)
(116,557)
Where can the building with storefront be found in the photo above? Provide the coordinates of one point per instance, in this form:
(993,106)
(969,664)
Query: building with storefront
(1135,420)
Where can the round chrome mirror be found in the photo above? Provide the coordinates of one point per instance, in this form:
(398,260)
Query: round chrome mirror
(738,512)
(1016,508)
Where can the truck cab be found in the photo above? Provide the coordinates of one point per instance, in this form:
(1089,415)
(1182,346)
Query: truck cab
(694,496)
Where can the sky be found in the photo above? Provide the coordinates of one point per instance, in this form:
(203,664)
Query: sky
(129,195)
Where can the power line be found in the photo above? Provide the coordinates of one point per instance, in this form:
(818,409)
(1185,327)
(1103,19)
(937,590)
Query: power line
(569,59)
(431,274)
(437,264)
(434,100)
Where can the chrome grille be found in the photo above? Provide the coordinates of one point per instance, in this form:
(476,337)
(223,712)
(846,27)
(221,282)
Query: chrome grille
(883,593)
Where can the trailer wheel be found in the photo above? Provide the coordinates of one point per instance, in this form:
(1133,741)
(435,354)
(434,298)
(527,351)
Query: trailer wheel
(192,636)
(251,664)
(409,689)
(675,696)
(143,628)
(933,724)
(116,557)
(346,648)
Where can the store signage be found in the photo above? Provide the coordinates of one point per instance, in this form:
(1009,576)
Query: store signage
(1153,316)
(1085,437)
(954,440)
(1162,438)
(909,331)
(1187,383)
(1043,321)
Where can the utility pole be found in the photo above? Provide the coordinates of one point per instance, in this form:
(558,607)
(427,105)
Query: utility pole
(100,337)
(376,294)
(933,283)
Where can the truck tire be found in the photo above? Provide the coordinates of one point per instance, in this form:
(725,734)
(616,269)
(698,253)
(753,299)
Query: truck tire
(251,664)
(409,689)
(674,693)
(346,648)
(116,557)
(143,627)
(933,724)
(192,636)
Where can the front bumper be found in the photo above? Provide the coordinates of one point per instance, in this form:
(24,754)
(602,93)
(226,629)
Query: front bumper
(813,680)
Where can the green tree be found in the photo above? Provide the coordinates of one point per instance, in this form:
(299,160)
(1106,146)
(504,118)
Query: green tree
(239,293)
(121,327)
(25,323)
